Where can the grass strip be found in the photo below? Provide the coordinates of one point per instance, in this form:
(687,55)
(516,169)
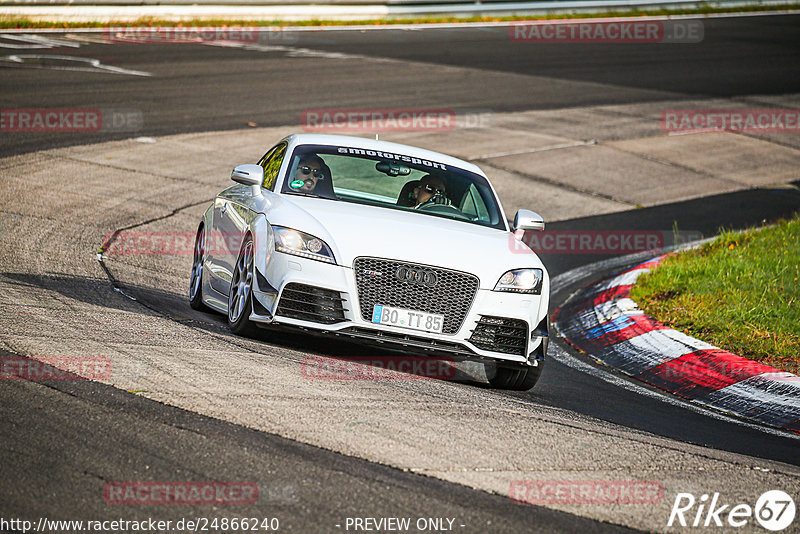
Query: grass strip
(13,22)
(739,292)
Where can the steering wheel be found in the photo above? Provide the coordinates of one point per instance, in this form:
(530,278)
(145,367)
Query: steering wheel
(444,209)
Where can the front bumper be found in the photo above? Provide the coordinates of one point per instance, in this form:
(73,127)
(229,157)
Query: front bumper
(344,317)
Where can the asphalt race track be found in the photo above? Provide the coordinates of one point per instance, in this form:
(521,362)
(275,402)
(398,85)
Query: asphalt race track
(211,88)
(187,401)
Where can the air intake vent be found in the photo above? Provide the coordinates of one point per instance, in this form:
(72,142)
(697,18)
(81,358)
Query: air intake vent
(309,303)
(500,334)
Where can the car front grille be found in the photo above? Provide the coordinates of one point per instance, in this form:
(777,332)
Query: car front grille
(500,334)
(435,290)
(309,303)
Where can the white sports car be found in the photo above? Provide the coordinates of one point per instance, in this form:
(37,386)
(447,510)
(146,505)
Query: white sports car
(377,242)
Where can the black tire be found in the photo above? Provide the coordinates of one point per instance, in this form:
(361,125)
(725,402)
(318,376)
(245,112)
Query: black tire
(517,378)
(240,296)
(196,275)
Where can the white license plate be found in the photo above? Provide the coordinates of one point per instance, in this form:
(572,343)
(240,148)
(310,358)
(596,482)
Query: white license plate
(429,322)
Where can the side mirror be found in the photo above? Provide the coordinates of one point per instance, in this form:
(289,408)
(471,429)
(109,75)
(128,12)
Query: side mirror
(249,174)
(528,220)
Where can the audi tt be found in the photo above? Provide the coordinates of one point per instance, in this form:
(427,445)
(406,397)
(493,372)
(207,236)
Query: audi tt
(379,243)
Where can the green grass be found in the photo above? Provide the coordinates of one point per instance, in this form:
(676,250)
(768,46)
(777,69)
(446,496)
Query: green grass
(11,22)
(740,292)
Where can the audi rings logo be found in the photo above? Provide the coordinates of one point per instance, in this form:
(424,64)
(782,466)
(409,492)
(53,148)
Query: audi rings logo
(416,277)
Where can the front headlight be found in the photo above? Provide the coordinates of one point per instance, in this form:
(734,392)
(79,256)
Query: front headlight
(521,281)
(301,244)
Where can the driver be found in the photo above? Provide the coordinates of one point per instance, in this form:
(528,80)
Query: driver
(310,170)
(430,190)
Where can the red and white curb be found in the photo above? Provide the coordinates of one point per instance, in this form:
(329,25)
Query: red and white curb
(604,322)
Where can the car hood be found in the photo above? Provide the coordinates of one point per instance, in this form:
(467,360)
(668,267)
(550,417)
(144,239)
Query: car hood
(354,230)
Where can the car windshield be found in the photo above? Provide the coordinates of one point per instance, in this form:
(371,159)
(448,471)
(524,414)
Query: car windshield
(392,180)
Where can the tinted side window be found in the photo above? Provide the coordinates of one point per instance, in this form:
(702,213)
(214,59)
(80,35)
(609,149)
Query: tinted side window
(272,164)
(474,205)
(266,156)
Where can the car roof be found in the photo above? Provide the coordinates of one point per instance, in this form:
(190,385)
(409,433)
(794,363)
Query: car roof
(385,146)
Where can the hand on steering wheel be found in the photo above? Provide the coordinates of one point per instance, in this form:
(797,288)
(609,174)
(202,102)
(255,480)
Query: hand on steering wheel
(439,199)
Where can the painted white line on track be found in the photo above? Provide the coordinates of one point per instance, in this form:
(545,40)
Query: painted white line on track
(93,65)
(533,150)
(289,50)
(24,46)
(36,41)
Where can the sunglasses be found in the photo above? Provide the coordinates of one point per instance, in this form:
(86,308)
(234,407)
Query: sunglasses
(432,190)
(308,170)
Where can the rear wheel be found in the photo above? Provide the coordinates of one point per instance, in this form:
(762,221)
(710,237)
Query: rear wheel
(518,377)
(240,302)
(196,276)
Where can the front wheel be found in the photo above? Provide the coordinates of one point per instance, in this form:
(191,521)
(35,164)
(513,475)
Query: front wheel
(517,377)
(196,276)
(240,297)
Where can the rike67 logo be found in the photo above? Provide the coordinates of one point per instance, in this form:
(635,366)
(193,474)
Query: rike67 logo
(774,510)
